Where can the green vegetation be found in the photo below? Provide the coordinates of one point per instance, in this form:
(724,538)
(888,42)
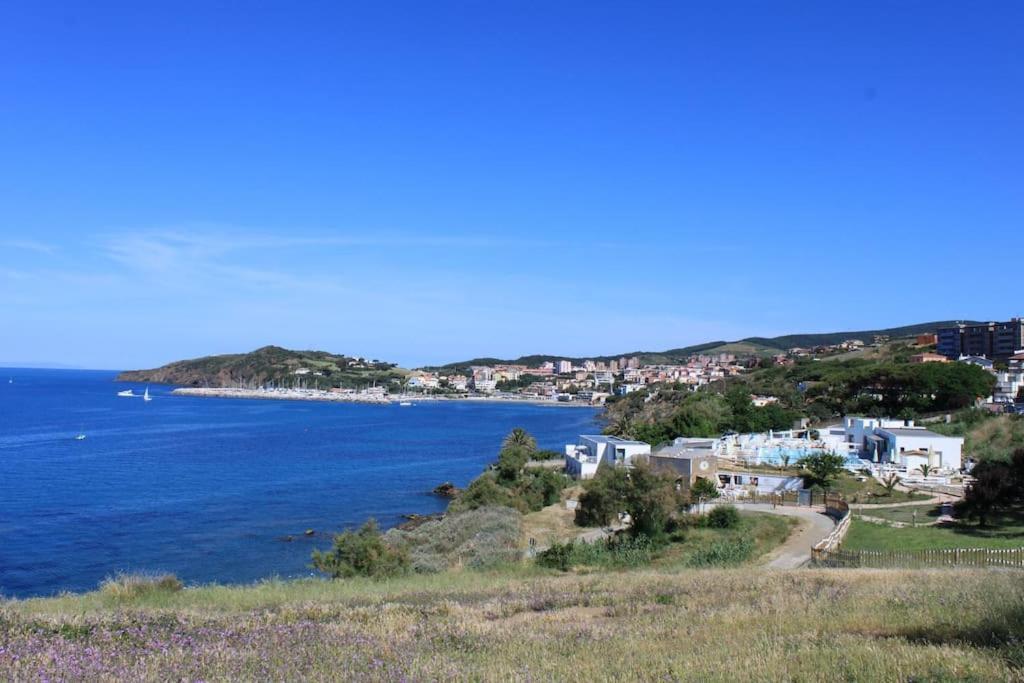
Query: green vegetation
(272,364)
(650,499)
(987,436)
(823,469)
(678,411)
(904,514)
(862,489)
(1005,530)
(998,487)
(362,553)
(615,552)
(723,517)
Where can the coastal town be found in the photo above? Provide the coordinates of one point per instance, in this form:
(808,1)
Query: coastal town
(996,347)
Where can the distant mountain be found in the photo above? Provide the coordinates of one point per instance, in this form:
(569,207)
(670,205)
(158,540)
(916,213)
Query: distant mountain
(271,364)
(748,346)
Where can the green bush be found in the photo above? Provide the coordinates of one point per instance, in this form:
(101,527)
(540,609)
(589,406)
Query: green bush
(723,553)
(611,553)
(362,553)
(723,517)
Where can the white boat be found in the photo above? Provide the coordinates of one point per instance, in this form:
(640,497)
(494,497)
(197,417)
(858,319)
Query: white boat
(126,392)
(405,403)
(145,396)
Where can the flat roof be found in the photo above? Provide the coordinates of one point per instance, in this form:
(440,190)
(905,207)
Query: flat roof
(911,431)
(613,439)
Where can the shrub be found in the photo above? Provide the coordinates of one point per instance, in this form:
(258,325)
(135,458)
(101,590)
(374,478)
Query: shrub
(612,552)
(478,538)
(723,517)
(484,491)
(723,553)
(362,553)
(130,586)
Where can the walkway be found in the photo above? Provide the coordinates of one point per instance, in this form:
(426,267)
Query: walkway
(814,525)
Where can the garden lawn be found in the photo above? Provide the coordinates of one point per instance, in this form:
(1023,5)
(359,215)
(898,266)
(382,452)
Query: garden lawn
(872,492)
(926,514)
(1007,531)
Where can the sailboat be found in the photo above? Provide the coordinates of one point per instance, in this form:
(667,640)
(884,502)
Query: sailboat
(126,392)
(80,436)
(145,396)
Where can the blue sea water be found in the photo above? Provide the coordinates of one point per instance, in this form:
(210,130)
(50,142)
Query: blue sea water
(208,488)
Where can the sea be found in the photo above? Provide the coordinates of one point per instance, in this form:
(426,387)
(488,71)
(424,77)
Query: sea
(220,490)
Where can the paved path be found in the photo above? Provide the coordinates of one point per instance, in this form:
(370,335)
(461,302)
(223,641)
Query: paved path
(795,552)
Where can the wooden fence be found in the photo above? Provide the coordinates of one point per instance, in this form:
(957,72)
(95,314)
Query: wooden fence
(921,559)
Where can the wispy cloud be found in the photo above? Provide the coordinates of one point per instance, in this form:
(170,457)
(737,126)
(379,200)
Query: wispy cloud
(28,245)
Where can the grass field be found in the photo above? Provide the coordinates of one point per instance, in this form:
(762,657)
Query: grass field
(871,492)
(926,514)
(1007,531)
(715,625)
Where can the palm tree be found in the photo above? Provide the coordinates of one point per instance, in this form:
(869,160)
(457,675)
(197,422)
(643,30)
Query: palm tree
(925,470)
(890,483)
(519,438)
(784,459)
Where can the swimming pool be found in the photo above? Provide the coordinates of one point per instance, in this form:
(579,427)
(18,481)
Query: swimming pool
(775,455)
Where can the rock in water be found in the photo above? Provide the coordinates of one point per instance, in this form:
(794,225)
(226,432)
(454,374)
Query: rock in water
(447,490)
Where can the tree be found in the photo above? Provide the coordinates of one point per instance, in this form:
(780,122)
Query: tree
(362,553)
(996,486)
(511,462)
(519,438)
(823,467)
(703,489)
(889,483)
(925,470)
(784,459)
(648,497)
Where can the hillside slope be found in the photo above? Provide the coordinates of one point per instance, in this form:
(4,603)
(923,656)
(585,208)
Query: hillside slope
(747,346)
(721,625)
(270,364)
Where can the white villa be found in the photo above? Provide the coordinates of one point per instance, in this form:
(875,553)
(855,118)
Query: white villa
(582,459)
(897,442)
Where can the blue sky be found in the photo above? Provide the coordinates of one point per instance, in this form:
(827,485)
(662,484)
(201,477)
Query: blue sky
(426,182)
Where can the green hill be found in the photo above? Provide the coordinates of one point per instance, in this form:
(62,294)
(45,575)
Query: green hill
(750,346)
(271,364)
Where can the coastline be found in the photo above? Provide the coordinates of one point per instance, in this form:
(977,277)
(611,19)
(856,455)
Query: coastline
(371,399)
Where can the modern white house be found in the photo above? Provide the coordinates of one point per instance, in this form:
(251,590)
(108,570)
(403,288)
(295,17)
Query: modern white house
(583,458)
(897,442)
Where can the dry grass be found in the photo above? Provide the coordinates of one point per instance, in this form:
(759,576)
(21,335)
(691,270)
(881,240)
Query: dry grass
(724,625)
(553,524)
(132,586)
